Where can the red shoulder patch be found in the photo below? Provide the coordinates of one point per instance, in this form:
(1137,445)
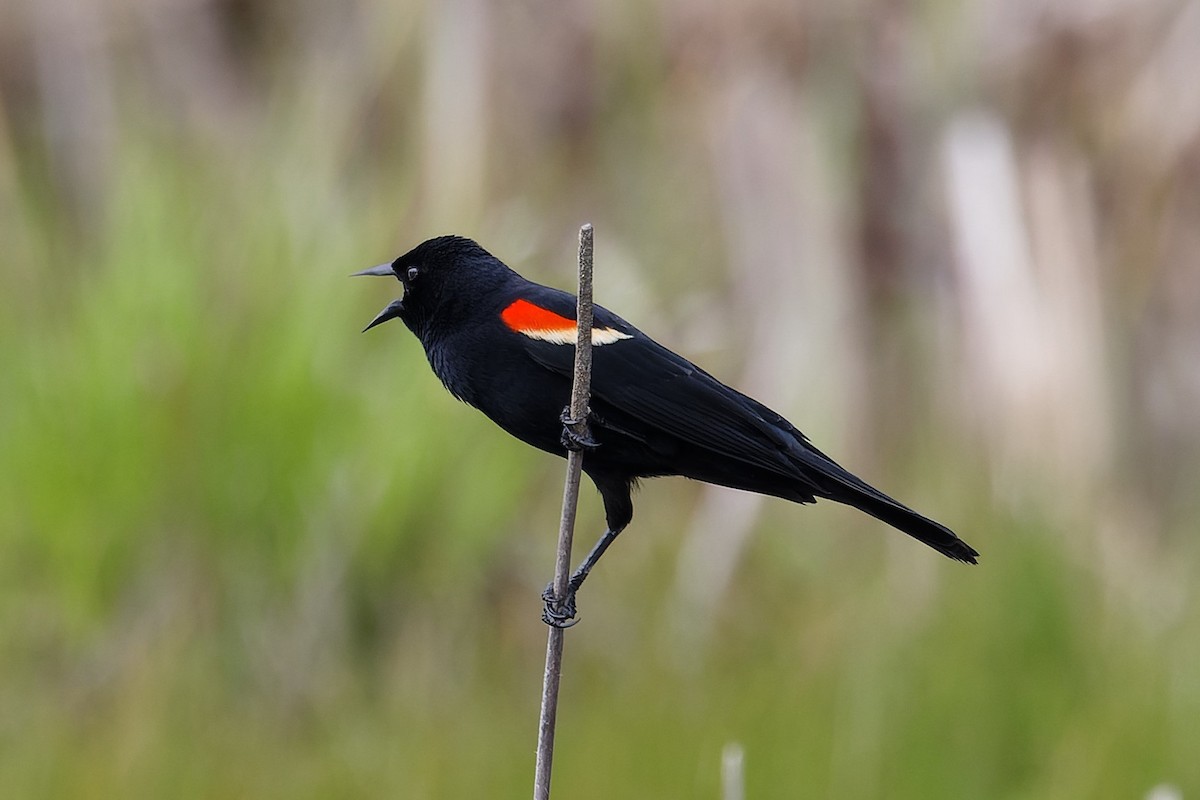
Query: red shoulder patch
(523,316)
(532,320)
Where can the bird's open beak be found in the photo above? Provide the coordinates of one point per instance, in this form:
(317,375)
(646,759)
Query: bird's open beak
(391,312)
(393,308)
(379,270)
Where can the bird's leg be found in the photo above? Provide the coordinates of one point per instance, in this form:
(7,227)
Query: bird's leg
(560,612)
(574,435)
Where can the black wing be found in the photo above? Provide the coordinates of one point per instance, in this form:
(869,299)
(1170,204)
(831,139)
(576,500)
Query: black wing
(666,391)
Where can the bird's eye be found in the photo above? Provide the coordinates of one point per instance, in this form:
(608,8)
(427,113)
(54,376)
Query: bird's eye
(413,272)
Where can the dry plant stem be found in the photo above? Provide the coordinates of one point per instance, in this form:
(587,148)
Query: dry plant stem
(580,391)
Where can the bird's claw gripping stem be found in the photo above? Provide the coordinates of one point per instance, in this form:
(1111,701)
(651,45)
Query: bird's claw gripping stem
(572,438)
(559,613)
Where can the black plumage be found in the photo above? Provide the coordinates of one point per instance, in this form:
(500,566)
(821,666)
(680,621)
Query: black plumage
(505,345)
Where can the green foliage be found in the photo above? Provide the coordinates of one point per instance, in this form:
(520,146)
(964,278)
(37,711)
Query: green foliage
(249,552)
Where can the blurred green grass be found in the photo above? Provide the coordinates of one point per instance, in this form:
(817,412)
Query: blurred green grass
(251,553)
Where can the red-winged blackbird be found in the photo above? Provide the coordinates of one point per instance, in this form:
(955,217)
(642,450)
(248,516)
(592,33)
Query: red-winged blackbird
(506,346)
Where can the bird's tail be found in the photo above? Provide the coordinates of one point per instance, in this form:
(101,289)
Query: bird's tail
(844,486)
(923,529)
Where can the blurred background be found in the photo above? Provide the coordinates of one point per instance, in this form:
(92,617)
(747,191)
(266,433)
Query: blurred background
(249,552)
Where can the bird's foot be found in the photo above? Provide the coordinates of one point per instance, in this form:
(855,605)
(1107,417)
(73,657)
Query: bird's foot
(559,612)
(574,433)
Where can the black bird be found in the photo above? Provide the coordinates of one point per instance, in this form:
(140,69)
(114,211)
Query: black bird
(506,346)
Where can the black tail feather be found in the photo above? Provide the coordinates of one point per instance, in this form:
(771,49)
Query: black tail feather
(923,529)
(839,484)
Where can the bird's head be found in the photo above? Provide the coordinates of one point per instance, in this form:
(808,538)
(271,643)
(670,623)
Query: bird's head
(442,277)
